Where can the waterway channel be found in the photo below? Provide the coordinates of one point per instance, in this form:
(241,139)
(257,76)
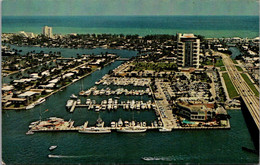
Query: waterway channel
(182,146)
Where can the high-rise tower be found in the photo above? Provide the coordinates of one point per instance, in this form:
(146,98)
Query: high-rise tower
(188,50)
(47,31)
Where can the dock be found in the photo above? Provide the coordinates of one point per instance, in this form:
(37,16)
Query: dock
(67,126)
(73,106)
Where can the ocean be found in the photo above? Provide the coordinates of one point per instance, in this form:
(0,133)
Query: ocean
(180,146)
(208,26)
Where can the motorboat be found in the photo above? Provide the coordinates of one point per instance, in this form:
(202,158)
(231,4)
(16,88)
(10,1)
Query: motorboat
(69,103)
(78,101)
(131,129)
(30,106)
(100,122)
(39,101)
(113,124)
(165,130)
(126,123)
(29,132)
(81,93)
(73,96)
(52,147)
(94,130)
(120,123)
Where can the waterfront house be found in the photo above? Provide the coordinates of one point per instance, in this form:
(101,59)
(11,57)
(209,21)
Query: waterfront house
(28,95)
(18,101)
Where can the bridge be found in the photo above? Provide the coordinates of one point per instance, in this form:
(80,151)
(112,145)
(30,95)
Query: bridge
(251,101)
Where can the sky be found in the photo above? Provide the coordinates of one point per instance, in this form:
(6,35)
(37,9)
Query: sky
(128,7)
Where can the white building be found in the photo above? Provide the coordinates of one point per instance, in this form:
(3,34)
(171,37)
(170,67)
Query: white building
(47,31)
(188,50)
(26,34)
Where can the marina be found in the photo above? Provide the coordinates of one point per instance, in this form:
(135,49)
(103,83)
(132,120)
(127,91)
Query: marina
(119,91)
(111,119)
(111,104)
(54,124)
(119,82)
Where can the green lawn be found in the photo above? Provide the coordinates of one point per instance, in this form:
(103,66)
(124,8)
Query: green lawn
(232,92)
(223,68)
(235,61)
(239,68)
(207,63)
(250,84)
(219,63)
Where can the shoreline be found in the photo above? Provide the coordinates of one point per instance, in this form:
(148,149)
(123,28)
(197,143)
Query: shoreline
(52,93)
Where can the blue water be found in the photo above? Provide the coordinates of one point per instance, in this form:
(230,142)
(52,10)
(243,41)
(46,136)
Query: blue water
(180,146)
(235,52)
(209,26)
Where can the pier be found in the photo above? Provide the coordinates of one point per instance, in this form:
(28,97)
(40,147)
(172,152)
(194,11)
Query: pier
(73,106)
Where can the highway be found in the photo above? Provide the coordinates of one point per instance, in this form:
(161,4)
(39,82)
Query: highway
(251,101)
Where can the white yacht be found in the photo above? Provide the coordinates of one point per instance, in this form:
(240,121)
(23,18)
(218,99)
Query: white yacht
(41,100)
(94,130)
(52,148)
(30,106)
(165,130)
(113,124)
(73,96)
(131,129)
(69,103)
(120,123)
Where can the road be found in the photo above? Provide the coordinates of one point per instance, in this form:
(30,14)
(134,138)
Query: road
(242,88)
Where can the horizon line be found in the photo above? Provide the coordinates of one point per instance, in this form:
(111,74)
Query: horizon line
(122,15)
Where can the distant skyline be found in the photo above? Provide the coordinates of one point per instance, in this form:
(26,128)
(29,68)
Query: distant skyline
(129,7)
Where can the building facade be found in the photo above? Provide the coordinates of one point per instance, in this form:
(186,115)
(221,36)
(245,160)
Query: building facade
(188,50)
(47,31)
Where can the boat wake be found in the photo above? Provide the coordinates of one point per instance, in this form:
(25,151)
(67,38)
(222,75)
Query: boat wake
(65,156)
(165,158)
(157,158)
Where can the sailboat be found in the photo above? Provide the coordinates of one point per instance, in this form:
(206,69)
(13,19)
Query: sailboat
(81,89)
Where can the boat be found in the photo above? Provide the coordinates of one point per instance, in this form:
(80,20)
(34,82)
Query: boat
(126,123)
(69,103)
(113,124)
(78,101)
(131,129)
(30,106)
(73,96)
(100,122)
(81,93)
(88,101)
(120,123)
(148,158)
(41,100)
(165,130)
(52,147)
(29,132)
(94,130)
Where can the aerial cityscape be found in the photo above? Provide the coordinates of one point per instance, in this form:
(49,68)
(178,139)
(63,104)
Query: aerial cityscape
(174,86)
